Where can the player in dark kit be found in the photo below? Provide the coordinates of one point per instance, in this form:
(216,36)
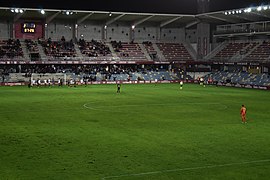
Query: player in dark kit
(118,88)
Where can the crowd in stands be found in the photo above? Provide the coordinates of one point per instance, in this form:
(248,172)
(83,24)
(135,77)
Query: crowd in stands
(117,45)
(10,48)
(93,48)
(33,50)
(59,49)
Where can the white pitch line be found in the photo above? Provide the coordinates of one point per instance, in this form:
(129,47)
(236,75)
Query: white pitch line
(142,105)
(186,169)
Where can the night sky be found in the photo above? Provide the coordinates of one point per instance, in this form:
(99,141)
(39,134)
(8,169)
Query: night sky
(151,6)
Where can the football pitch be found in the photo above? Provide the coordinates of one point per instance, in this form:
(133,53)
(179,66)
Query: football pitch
(145,132)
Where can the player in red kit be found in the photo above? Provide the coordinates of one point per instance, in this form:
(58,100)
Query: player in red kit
(243,112)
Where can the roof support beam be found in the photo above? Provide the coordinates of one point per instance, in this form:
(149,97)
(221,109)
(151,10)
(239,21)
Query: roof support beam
(49,19)
(142,20)
(170,21)
(114,19)
(242,17)
(219,18)
(259,14)
(84,18)
(192,24)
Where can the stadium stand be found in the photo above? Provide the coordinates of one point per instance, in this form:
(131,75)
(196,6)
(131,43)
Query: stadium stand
(230,50)
(33,50)
(150,49)
(11,49)
(244,78)
(260,54)
(59,49)
(128,51)
(94,49)
(174,52)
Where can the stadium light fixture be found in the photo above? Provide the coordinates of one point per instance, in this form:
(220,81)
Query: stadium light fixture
(46,25)
(259,8)
(110,14)
(16,10)
(229,12)
(240,11)
(42,11)
(105,27)
(233,12)
(133,26)
(67,12)
(248,10)
(226,13)
(265,7)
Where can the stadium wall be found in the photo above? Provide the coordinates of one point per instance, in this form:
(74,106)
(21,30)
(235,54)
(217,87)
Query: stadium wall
(89,31)
(146,33)
(56,29)
(5,30)
(118,32)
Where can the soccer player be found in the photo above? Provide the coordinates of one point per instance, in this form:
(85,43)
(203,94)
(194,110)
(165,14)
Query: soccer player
(181,85)
(118,88)
(243,112)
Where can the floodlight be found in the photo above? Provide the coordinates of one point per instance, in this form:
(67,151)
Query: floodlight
(259,8)
(16,10)
(42,11)
(265,7)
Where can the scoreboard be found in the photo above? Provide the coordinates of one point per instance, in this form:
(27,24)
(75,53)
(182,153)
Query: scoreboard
(28,27)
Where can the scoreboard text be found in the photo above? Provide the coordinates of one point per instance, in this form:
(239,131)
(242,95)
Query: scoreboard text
(28,27)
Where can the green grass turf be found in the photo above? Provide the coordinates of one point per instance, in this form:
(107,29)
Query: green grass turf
(92,132)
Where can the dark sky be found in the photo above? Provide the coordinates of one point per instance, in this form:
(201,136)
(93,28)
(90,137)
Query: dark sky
(152,6)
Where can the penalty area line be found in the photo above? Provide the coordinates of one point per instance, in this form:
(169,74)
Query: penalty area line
(186,169)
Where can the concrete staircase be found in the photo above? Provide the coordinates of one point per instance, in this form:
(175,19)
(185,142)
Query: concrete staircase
(78,52)
(145,52)
(253,49)
(216,50)
(26,54)
(190,50)
(43,56)
(112,51)
(160,56)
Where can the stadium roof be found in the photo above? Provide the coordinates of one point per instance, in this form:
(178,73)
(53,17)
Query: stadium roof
(255,14)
